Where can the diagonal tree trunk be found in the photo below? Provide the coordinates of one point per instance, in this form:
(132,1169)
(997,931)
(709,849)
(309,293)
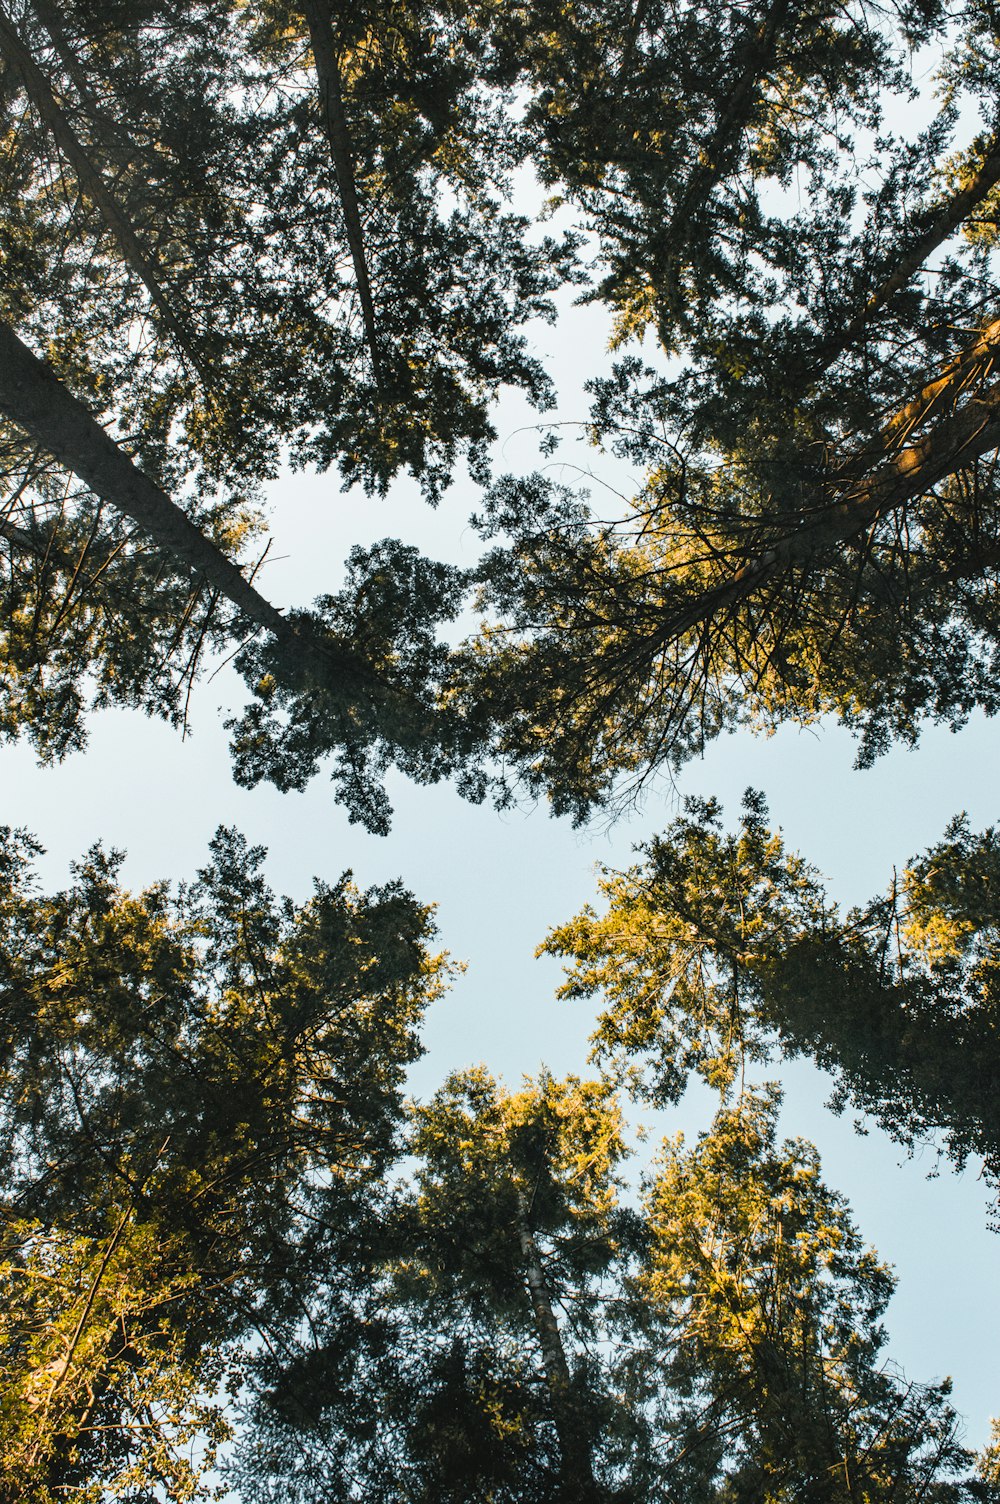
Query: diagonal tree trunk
(958,438)
(33,397)
(950,218)
(94,187)
(71,63)
(317,14)
(970,367)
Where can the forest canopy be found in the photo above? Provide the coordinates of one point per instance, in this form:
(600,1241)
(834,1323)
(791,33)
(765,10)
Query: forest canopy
(242,238)
(237,235)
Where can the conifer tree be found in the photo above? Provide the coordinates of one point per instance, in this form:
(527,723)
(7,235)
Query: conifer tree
(720,949)
(533,1339)
(191,1085)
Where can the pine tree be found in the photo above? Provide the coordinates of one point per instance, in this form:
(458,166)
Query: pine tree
(720,949)
(816,530)
(190,1084)
(176,300)
(481,1376)
(766,1306)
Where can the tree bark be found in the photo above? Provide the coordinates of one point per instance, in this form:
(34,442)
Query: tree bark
(93,186)
(34,398)
(317,16)
(578,1483)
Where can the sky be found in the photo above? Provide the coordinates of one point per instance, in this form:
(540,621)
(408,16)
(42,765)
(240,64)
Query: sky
(502,880)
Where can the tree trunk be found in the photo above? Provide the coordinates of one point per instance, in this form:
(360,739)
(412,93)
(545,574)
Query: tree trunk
(317,16)
(34,398)
(71,63)
(944,225)
(93,186)
(578,1483)
(956,440)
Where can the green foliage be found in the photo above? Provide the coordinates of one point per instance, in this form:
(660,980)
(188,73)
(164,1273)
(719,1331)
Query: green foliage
(483,1150)
(175,240)
(816,527)
(611,650)
(380,702)
(101,1386)
(676,956)
(205,119)
(92,616)
(245,234)
(767,1305)
(723,1343)
(722,948)
(457,1390)
(191,1086)
(228,287)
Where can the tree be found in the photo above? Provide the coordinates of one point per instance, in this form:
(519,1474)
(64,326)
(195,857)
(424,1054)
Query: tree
(236,234)
(214,210)
(718,949)
(816,531)
(176,231)
(481,1376)
(363,668)
(766,1305)
(190,1086)
(817,527)
(531,1339)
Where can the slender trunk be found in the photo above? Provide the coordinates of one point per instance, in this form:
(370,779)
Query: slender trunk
(92,184)
(317,16)
(71,63)
(33,397)
(578,1483)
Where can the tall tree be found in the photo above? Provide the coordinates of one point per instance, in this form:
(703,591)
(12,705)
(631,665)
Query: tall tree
(767,1305)
(481,1377)
(189,1084)
(177,319)
(230,237)
(817,527)
(721,948)
(365,666)
(207,216)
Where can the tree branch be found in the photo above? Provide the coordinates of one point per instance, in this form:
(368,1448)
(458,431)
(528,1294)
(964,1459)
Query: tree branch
(947,222)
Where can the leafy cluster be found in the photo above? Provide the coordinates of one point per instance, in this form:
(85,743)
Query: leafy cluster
(191,1086)
(720,949)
